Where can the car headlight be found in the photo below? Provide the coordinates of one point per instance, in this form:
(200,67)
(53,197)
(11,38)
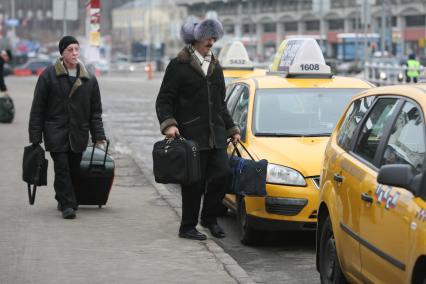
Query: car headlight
(132,68)
(283,175)
(383,75)
(400,77)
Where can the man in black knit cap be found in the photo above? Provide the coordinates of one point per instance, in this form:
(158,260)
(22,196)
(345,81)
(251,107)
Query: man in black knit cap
(66,107)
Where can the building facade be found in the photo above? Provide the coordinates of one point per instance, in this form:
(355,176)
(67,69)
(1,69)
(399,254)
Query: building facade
(263,24)
(152,25)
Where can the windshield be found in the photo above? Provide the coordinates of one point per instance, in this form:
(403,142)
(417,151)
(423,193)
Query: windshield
(299,112)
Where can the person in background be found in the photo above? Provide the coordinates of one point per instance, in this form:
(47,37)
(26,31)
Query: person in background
(66,107)
(413,69)
(5,56)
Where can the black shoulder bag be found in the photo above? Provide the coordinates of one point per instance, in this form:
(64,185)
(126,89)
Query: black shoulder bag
(34,169)
(176,161)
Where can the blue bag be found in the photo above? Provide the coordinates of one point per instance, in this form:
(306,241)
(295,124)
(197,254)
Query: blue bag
(248,175)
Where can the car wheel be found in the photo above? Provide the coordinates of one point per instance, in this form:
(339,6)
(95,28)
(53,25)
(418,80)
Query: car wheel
(248,236)
(330,270)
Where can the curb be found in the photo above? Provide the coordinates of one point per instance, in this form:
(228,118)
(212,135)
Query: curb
(228,263)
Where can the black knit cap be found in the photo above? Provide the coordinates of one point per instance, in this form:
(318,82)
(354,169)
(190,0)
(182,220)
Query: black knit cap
(65,41)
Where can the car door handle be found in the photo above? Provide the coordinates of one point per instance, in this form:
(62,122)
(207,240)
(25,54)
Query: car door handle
(366,197)
(338,178)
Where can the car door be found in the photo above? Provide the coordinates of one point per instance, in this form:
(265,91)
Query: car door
(237,105)
(343,179)
(388,220)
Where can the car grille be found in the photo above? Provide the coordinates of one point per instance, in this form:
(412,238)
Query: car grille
(285,206)
(316,181)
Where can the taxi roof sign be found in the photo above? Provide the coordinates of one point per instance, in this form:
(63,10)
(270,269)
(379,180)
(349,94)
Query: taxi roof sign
(234,55)
(300,56)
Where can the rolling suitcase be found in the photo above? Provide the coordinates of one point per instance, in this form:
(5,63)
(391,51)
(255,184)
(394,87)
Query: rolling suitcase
(95,178)
(7,109)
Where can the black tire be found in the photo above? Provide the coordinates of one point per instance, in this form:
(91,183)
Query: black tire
(329,266)
(248,236)
(99,206)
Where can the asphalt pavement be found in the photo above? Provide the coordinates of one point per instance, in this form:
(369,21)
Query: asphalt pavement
(133,239)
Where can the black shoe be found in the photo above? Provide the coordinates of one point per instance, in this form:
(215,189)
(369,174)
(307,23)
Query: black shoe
(215,229)
(193,234)
(68,213)
(59,207)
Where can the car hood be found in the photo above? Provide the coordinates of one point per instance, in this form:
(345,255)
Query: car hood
(304,154)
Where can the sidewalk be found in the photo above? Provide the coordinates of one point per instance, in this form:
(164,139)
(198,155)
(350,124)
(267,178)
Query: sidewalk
(133,239)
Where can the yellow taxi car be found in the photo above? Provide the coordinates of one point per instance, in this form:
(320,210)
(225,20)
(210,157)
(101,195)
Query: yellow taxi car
(287,117)
(235,62)
(372,207)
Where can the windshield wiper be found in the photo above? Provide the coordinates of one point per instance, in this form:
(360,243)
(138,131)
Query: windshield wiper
(264,134)
(325,134)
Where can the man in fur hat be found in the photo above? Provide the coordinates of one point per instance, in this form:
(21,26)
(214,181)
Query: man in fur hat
(191,103)
(66,107)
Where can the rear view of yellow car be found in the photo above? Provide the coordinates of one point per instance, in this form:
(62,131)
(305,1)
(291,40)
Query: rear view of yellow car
(286,117)
(236,63)
(372,209)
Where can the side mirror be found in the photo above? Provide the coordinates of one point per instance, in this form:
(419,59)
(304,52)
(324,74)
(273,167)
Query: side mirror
(400,175)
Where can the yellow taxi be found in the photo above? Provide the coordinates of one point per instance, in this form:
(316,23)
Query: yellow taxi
(287,118)
(235,62)
(372,204)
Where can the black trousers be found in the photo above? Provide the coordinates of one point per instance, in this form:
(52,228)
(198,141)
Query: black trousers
(215,175)
(67,166)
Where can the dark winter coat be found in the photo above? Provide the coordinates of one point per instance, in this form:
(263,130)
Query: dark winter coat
(2,84)
(65,113)
(194,102)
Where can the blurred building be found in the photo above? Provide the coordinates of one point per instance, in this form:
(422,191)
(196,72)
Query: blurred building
(263,24)
(35,20)
(147,29)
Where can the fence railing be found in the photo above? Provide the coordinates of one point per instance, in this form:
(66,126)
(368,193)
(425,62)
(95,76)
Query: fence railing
(382,74)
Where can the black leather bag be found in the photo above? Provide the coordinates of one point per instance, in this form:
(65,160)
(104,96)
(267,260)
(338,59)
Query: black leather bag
(248,175)
(7,109)
(176,161)
(34,169)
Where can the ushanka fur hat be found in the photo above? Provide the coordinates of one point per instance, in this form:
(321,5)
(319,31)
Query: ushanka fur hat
(208,28)
(187,32)
(193,31)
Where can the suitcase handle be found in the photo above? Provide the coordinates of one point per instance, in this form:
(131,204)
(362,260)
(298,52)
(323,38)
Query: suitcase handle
(93,152)
(178,137)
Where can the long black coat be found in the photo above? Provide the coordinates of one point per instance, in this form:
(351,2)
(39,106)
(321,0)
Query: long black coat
(3,87)
(195,102)
(65,114)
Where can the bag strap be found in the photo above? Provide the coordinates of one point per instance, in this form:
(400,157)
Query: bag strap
(31,194)
(236,150)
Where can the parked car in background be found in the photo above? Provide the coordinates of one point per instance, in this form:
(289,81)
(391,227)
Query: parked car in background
(386,69)
(32,67)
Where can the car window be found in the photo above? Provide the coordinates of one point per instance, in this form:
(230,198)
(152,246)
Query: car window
(406,144)
(352,119)
(233,97)
(372,130)
(241,109)
(299,112)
